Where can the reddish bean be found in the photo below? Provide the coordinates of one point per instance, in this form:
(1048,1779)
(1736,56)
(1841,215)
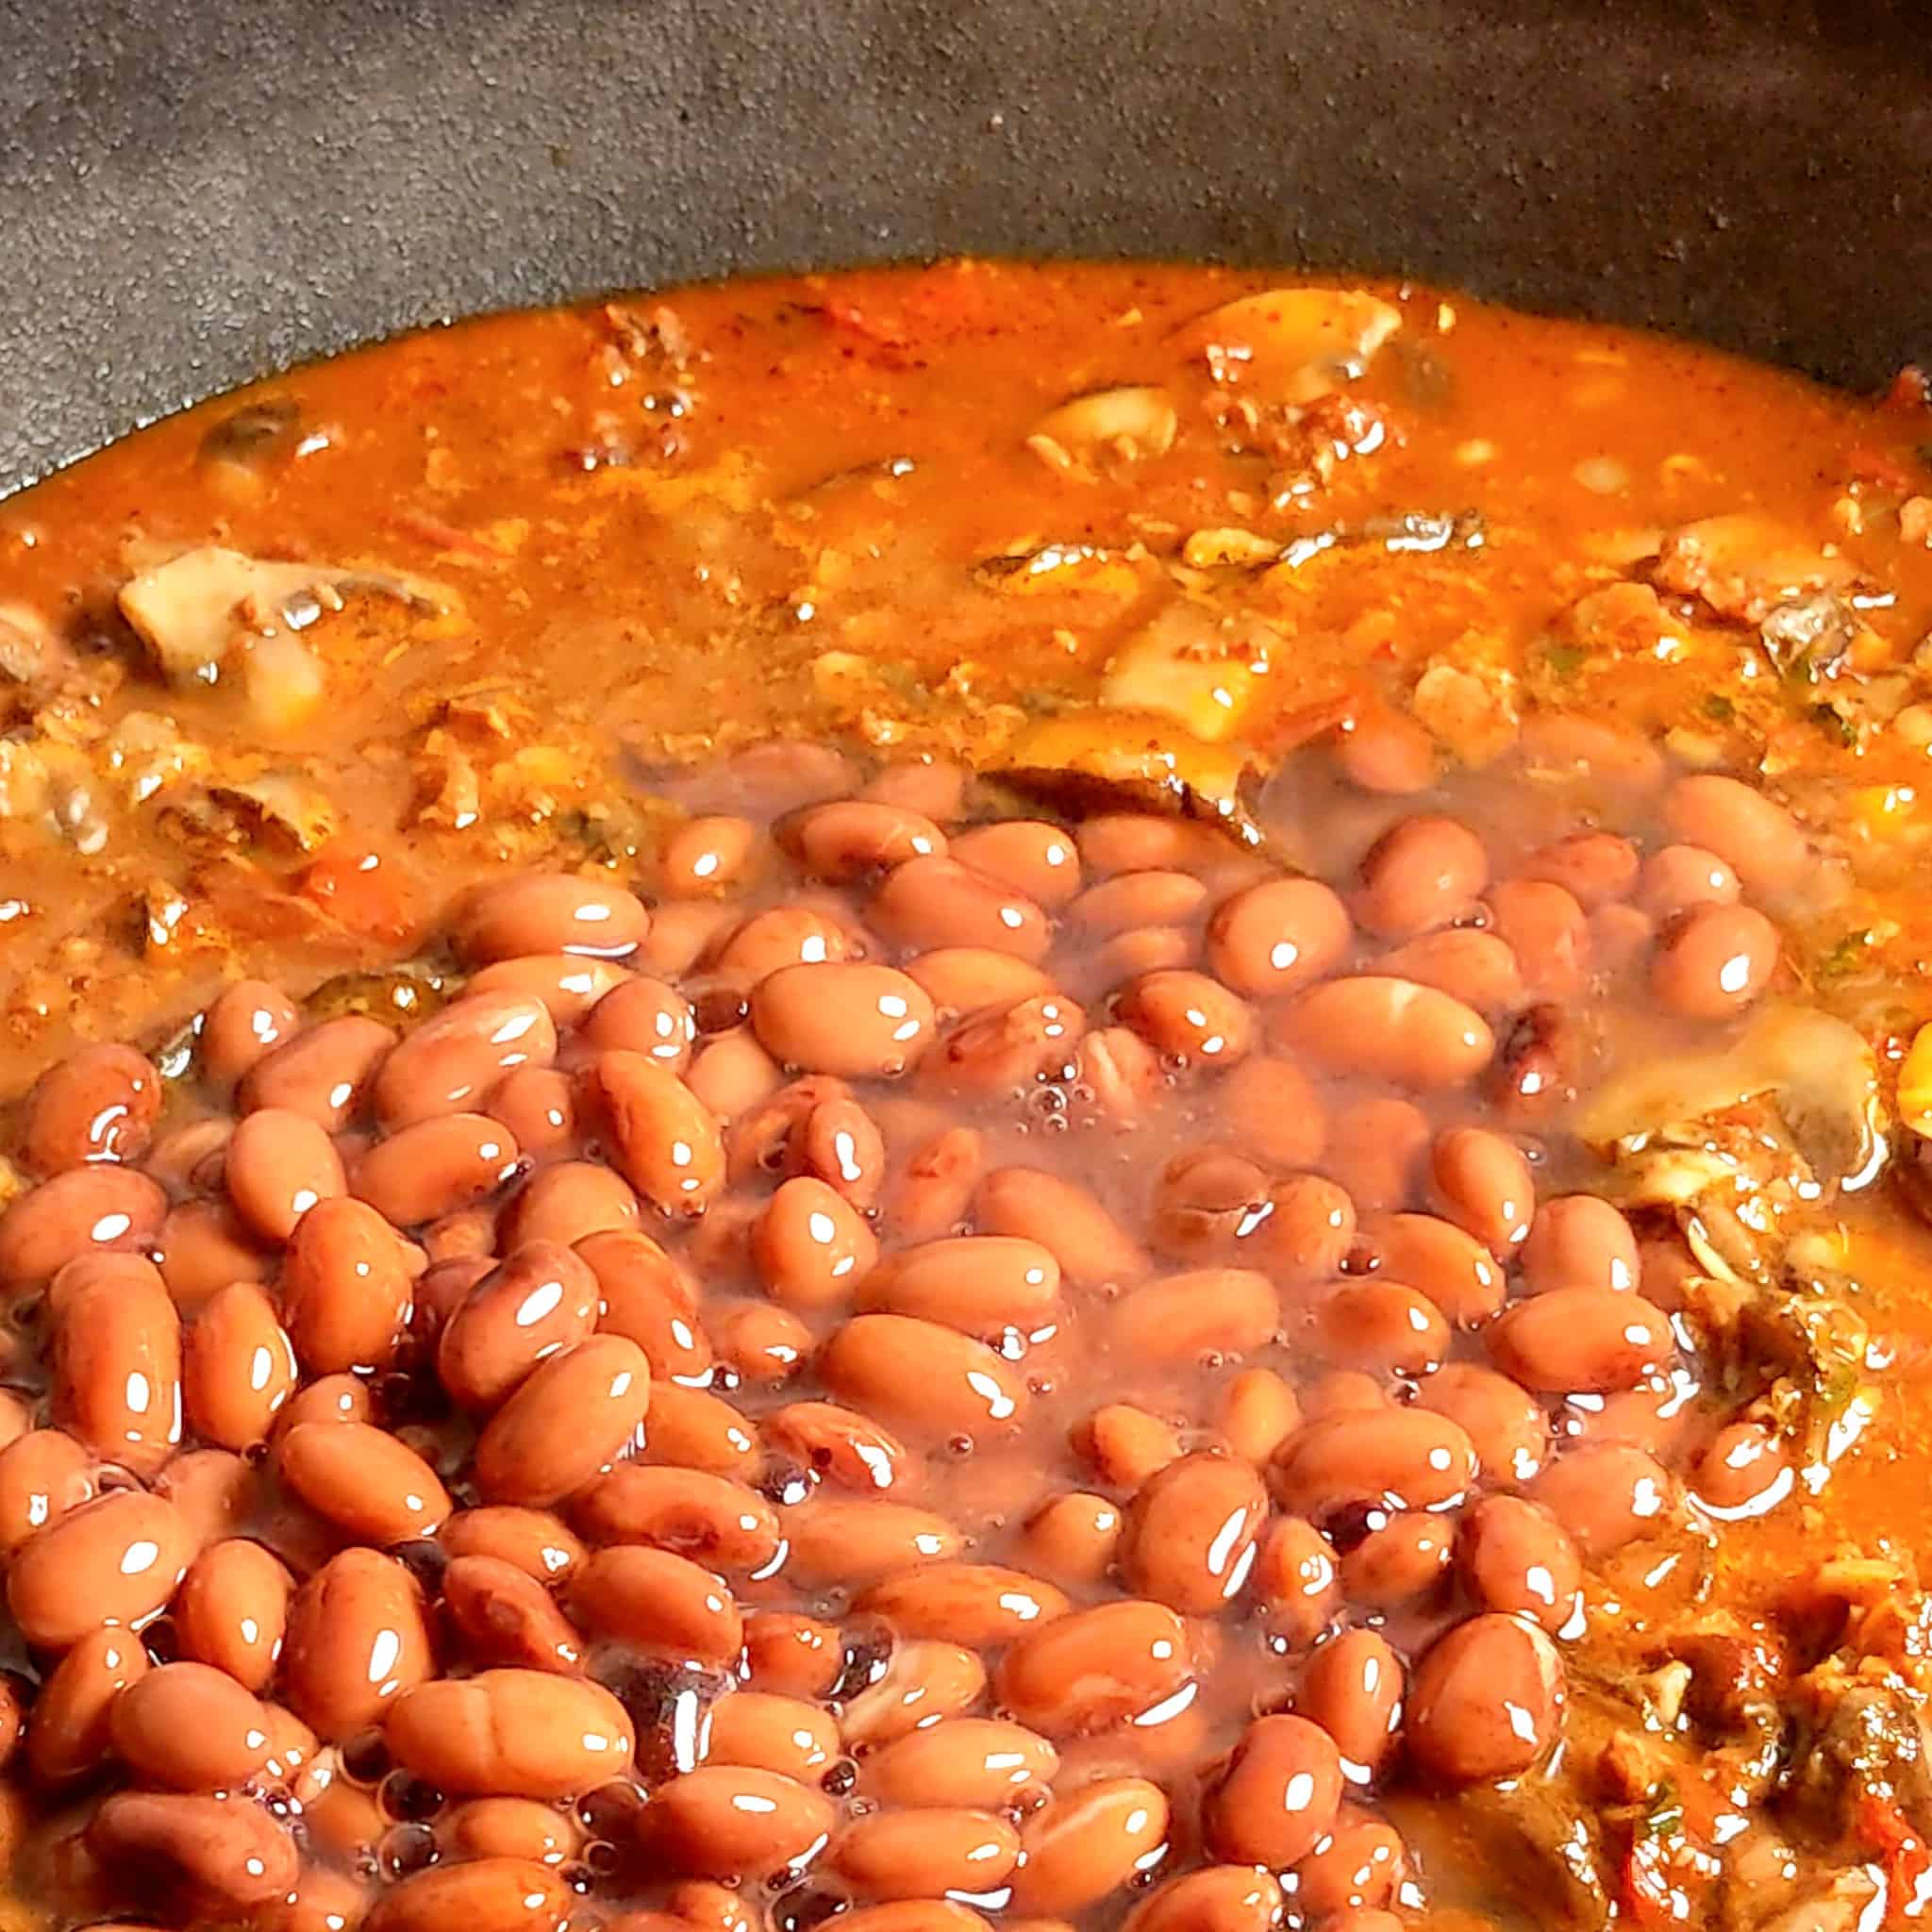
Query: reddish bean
(1353,1689)
(543,1299)
(324,1072)
(1756,836)
(1277,936)
(435,1167)
(98,1104)
(451,1062)
(933,901)
(347,1287)
(1468,964)
(845,1019)
(1712,961)
(1547,932)
(1380,1029)
(117,1559)
(570,1417)
(1280,1795)
(247,1021)
(1680,876)
(1486,1701)
(1580,1339)
(1508,1431)
(1025,855)
(1423,872)
(79,1213)
(549,912)
(1579,1241)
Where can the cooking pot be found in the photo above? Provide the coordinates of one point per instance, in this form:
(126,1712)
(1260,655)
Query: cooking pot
(192,191)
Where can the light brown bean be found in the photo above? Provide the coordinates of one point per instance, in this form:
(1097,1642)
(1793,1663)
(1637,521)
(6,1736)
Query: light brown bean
(1517,1558)
(1088,1244)
(1468,964)
(82,1212)
(1400,1458)
(1188,1018)
(211,1858)
(542,1299)
(502,1615)
(913,1854)
(783,1734)
(795,935)
(1506,1427)
(1483,1183)
(566,1203)
(1277,936)
(1123,1445)
(933,787)
(1402,1558)
(1002,1051)
(968,979)
(1423,872)
(568,984)
(98,1104)
(981,1604)
(278,1165)
(116,1359)
(71,1735)
(1382,1326)
(837,1540)
(1191,1533)
(203,1248)
(707,1518)
(1186,1317)
(346,1289)
(1093,1668)
(43,1476)
(1377,1027)
(840,1143)
(934,901)
(328,1399)
(1756,835)
(980,1284)
(1447,1263)
(1027,855)
(1547,931)
(1580,1339)
(232,1611)
(708,855)
(479,1895)
(435,1167)
(1712,961)
(573,1416)
(238,1369)
(522,1734)
(921,1377)
(841,1446)
(730,1073)
(1596,868)
(727,1818)
(1606,1495)
(1089,1843)
(1269,1109)
(648,1300)
(811,1246)
(507,1828)
(367,1482)
(922,1683)
(451,1062)
(245,1021)
(357,1638)
(756,1342)
(1279,1796)
(646,1016)
(549,912)
(1072,1538)
(324,1072)
(1353,1689)
(847,837)
(190,1727)
(979,1762)
(1357,1868)
(117,1559)
(791,1655)
(1143,899)
(664,1141)
(1375,1150)
(853,1019)
(1579,1241)
(1218,1898)
(1256,1413)
(1486,1701)
(1679,876)
(695,1430)
(533,1541)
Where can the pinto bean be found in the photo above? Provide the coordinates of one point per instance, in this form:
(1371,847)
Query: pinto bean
(43,1476)
(549,912)
(979,1284)
(1027,855)
(1423,872)
(1186,1318)
(647,1300)
(1580,1339)
(1123,1445)
(982,1604)
(697,1430)
(232,1611)
(842,1447)
(1405,1556)
(278,1165)
(791,1655)
(1256,1412)
(664,1141)
(968,979)
(782,1734)
(1089,1843)
(730,1075)
(328,1399)
(840,1143)
(1486,1701)
(1484,1184)
(707,1518)
(1297,1578)
(451,1062)
(1517,1558)
(191,1729)
(1154,899)
(507,1828)
(708,855)
(922,1377)
(117,1559)
(727,1818)
(1269,1108)
(1756,835)
(573,1416)
(1353,1689)
(1376,1028)
(1596,868)
(524,1734)
(795,935)
(1382,1326)
(922,1683)
(1072,1538)
(645,1016)
(1280,1795)
(1679,876)
(1508,1431)
(1093,1668)
(1089,1246)
(932,785)
(1477,967)
(1191,1533)
(840,1538)
(367,1482)
(811,1246)
(847,838)
(70,1733)
(495,1895)
(851,1020)
(117,1359)
(357,1638)
(1218,1898)
(435,1167)
(1399,1459)
(1579,1241)
(98,1104)
(1456,1272)
(566,1203)
(84,1210)
(908,1854)
(1606,1495)
(543,1299)
(1547,932)
(1005,1050)
(324,1072)
(1743,1470)
(246,1022)
(1375,1150)
(1187,1017)
(1306,1230)
(759,1342)
(346,1289)
(211,1858)
(1712,961)
(568,984)
(203,1248)
(532,1541)
(1277,936)
(935,901)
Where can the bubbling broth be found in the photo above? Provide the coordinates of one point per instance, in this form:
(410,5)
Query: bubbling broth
(1038,1098)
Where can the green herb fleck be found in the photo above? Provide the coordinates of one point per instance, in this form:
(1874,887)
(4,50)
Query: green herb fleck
(1846,957)
(1834,726)
(1564,661)
(1665,1818)
(1720,709)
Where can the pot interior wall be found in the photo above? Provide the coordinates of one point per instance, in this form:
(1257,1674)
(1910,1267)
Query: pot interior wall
(192,191)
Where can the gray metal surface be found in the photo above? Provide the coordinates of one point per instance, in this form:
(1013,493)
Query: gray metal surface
(195,191)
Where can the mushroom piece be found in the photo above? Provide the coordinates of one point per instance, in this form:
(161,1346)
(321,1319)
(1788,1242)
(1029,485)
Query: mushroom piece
(1745,564)
(190,610)
(30,654)
(1293,345)
(1125,423)
(1192,665)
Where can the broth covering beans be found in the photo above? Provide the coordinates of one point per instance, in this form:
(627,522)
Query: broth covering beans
(839,1420)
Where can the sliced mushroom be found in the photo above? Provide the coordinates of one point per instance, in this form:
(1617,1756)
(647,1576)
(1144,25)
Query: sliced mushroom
(190,610)
(1192,665)
(1124,425)
(29,652)
(292,804)
(1060,569)
(1745,564)
(1293,345)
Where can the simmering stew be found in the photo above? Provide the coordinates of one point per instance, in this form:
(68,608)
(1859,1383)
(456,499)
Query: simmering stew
(999,1096)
